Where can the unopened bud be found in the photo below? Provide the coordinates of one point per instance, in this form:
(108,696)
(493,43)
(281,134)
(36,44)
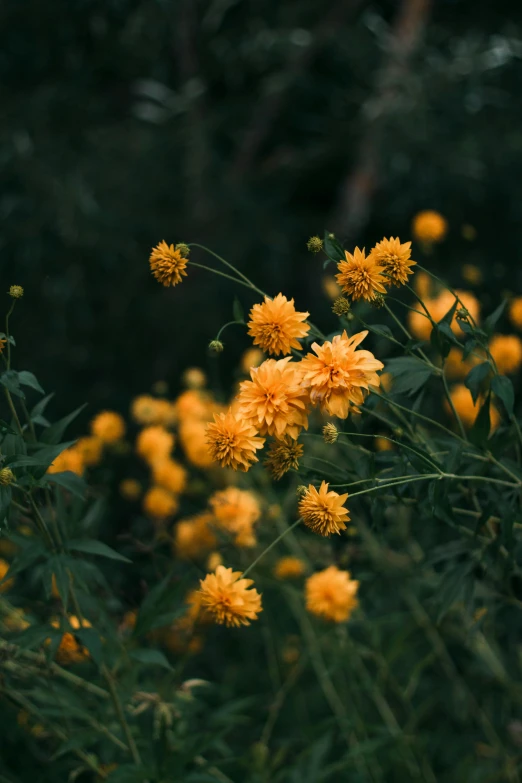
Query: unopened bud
(216,346)
(183,249)
(341,306)
(315,244)
(6,477)
(16,291)
(330,433)
(377,301)
(301,490)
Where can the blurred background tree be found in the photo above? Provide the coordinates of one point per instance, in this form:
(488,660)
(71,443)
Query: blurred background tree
(248,126)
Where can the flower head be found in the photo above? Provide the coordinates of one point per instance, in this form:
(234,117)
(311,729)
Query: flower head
(339,375)
(146,410)
(360,276)
(331,594)
(194,536)
(236,511)
(506,350)
(395,259)
(194,378)
(275,325)
(68,460)
(130,489)
(289,567)
(315,244)
(429,226)
(514,311)
(230,599)
(282,456)
(91,449)
(108,426)
(274,400)
(323,511)
(252,357)
(232,441)
(6,477)
(330,433)
(168,264)
(4,570)
(16,291)
(154,443)
(170,475)
(70,649)
(215,346)
(159,503)
(341,306)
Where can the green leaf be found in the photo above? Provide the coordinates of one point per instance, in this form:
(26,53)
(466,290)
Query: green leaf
(40,406)
(409,374)
(10,380)
(491,320)
(382,330)
(6,495)
(69,481)
(30,552)
(503,388)
(238,312)
(479,433)
(332,247)
(150,657)
(161,600)
(475,377)
(28,379)
(55,432)
(90,638)
(92,547)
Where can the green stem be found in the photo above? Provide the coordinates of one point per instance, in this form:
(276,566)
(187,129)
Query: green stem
(228,264)
(230,323)
(9,312)
(408,335)
(452,405)
(271,546)
(121,714)
(223,274)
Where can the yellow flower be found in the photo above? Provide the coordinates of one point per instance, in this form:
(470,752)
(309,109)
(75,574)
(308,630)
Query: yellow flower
(194,536)
(16,291)
(193,438)
(167,264)
(70,649)
(236,511)
(194,378)
(456,367)
(339,375)
(331,287)
(69,459)
(506,349)
(154,443)
(383,444)
(108,426)
(466,409)
(229,598)
(4,568)
(3,343)
(361,277)
(170,475)
(437,307)
(147,410)
(252,357)
(232,441)
(429,226)
(274,400)
(331,594)
(289,568)
(275,325)
(323,511)
(514,312)
(282,456)
(194,404)
(214,559)
(471,274)
(395,259)
(130,489)
(91,449)
(159,503)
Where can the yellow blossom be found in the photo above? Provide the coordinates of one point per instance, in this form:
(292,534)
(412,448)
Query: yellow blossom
(360,276)
(108,426)
(323,511)
(276,326)
(331,594)
(167,264)
(230,599)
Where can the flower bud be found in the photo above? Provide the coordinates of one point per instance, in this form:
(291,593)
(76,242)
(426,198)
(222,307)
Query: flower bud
(341,306)
(216,346)
(330,433)
(315,244)
(6,477)
(183,249)
(16,291)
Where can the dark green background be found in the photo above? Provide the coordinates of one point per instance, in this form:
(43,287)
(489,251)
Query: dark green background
(237,124)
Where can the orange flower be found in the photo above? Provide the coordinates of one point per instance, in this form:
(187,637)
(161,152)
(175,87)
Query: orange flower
(429,226)
(69,459)
(361,277)
(282,456)
(466,409)
(154,443)
(456,367)
(193,404)
(194,536)
(159,503)
(4,569)
(395,259)
(289,568)
(167,264)
(274,401)
(108,426)
(130,489)
(275,325)
(506,349)
(147,410)
(438,306)
(232,441)
(323,511)
(194,378)
(90,448)
(515,312)
(170,475)
(229,598)
(70,650)
(339,375)
(331,594)
(193,438)
(236,511)
(330,287)
(252,357)
(3,343)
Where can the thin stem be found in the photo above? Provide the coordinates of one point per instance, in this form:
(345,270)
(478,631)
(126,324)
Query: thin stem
(9,312)
(13,411)
(406,332)
(223,274)
(403,480)
(452,405)
(397,443)
(121,714)
(230,323)
(228,264)
(271,546)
